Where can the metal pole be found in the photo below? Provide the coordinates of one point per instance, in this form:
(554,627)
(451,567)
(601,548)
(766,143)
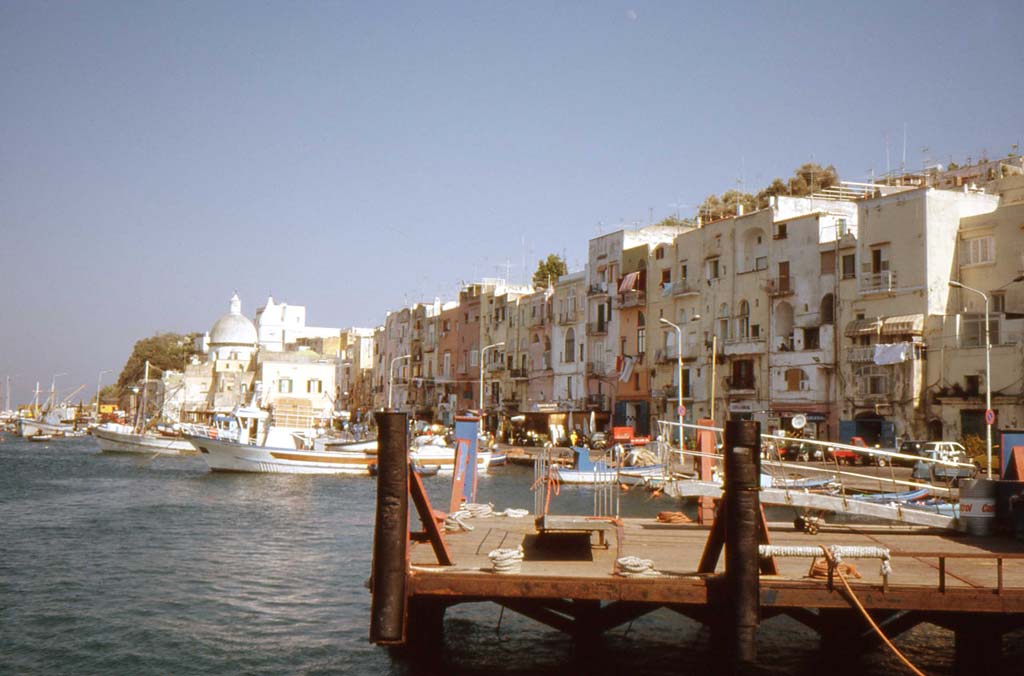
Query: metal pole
(988,376)
(388,608)
(714,363)
(679,377)
(391,376)
(99,379)
(742,512)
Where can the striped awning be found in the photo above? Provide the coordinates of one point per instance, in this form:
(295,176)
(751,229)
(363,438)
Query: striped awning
(903,325)
(861,327)
(629,282)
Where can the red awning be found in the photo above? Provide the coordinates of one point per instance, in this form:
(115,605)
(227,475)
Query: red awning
(629,282)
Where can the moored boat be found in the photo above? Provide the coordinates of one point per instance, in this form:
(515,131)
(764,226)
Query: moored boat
(114,438)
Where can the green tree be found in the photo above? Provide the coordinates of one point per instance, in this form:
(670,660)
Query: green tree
(166,351)
(550,269)
(812,177)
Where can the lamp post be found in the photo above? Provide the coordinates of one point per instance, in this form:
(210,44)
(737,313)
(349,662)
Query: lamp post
(679,372)
(99,379)
(391,376)
(482,353)
(988,377)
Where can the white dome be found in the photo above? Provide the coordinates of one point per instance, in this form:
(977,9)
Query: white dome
(234,328)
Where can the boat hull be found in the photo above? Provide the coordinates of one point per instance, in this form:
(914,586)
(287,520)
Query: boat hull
(31,428)
(110,441)
(443,458)
(223,455)
(627,475)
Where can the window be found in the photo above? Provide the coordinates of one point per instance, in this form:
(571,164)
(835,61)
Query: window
(570,346)
(641,340)
(284,385)
(711,268)
(780,231)
(761,263)
(796,380)
(812,338)
(743,320)
(686,384)
(474,357)
(446,369)
(682,271)
(977,250)
(666,276)
(849,266)
(972,385)
(314,386)
(659,253)
(998,301)
(828,262)
(973,330)
(841,227)
(742,374)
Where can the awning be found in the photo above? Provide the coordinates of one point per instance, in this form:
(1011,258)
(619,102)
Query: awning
(902,325)
(629,282)
(861,327)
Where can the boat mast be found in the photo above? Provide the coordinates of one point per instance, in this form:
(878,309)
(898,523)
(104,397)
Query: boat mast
(140,418)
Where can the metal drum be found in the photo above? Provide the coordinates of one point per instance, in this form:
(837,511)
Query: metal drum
(978,506)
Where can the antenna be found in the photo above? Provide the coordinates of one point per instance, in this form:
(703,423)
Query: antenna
(903,163)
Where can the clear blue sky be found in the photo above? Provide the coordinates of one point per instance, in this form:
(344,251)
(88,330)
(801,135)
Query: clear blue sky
(354,157)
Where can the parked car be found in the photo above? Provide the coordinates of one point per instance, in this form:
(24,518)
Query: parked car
(909,447)
(927,469)
(851,457)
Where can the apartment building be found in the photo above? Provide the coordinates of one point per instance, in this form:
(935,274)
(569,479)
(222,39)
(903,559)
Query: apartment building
(568,340)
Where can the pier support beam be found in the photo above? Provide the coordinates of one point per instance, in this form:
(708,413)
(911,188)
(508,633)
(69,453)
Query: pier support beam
(742,563)
(978,647)
(388,609)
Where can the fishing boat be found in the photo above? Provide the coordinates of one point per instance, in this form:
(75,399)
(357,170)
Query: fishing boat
(630,471)
(141,438)
(49,419)
(429,451)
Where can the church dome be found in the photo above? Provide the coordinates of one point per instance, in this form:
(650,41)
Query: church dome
(233,328)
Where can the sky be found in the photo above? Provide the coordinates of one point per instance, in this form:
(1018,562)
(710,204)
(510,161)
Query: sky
(355,157)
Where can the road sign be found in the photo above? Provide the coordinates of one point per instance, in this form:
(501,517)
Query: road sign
(681,410)
(990,417)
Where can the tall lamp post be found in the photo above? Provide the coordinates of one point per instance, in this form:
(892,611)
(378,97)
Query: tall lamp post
(482,353)
(988,377)
(679,372)
(391,376)
(99,379)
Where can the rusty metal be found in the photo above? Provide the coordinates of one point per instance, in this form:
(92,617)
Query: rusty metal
(390,565)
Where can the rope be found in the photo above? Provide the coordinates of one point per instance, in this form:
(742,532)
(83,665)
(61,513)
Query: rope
(551,484)
(506,561)
(836,554)
(856,602)
(634,566)
(513,513)
(673,517)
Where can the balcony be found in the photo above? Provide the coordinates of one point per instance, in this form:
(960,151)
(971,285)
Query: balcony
(596,368)
(877,282)
(518,374)
(597,401)
(747,345)
(860,355)
(739,384)
(779,286)
(496,366)
(429,345)
(567,317)
(597,328)
(536,321)
(546,361)
(685,287)
(598,289)
(631,299)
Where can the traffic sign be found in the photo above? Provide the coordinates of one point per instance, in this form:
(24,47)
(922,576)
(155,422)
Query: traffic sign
(681,410)
(990,417)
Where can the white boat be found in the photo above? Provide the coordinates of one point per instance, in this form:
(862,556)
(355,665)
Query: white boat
(631,471)
(115,438)
(431,451)
(248,441)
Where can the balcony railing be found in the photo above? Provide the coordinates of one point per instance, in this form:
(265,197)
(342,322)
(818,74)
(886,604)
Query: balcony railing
(739,383)
(779,286)
(684,287)
(495,366)
(598,401)
(878,282)
(597,328)
(518,374)
(859,355)
(596,368)
(597,289)
(631,299)
(567,317)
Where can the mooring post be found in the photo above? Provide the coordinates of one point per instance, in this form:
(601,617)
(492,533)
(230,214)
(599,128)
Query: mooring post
(742,511)
(388,609)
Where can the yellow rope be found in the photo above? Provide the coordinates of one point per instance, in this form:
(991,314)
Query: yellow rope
(878,630)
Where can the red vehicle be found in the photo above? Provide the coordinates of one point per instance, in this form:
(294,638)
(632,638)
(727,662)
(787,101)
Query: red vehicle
(851,457)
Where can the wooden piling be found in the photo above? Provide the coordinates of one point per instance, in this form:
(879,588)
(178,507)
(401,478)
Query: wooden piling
(388,609)
(743,509)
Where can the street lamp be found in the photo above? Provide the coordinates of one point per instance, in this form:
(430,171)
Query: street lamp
(679,372)
(482,353)
(99,379)
(988,377)
(391,376)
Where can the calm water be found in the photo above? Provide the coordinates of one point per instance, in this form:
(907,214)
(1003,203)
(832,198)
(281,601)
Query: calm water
(114,565)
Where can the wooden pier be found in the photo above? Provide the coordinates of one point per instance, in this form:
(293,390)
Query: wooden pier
(569,580)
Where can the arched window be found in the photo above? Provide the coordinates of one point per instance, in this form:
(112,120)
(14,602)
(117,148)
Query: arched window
(743,320)
(828,309)
(570,347)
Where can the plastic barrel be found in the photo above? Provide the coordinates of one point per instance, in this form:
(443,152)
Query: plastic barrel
(978,506)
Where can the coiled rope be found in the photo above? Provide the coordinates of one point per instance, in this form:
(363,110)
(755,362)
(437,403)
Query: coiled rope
(456,521)
(634,566)
(506,561)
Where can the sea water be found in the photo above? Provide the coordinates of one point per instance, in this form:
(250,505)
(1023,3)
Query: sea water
(115,564)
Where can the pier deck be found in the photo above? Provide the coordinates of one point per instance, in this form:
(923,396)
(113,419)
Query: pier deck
(931,571)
